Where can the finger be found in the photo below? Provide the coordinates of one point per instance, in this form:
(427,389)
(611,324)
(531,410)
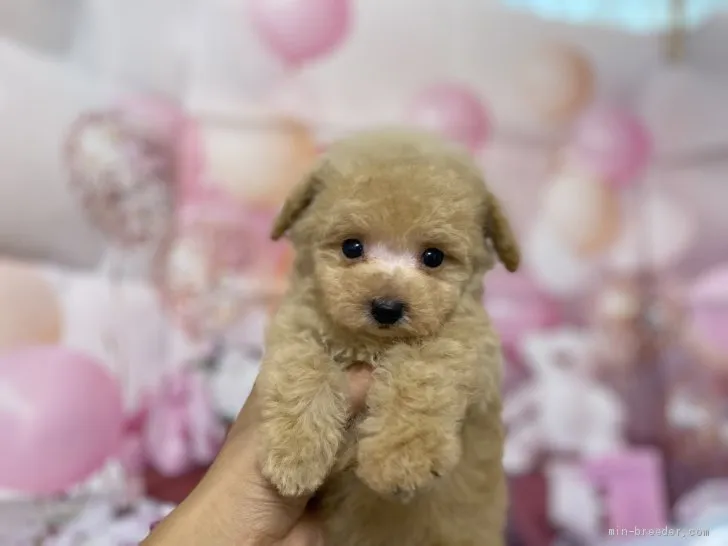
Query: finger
(248,414)
(238,462)
(307,532)
(359,378)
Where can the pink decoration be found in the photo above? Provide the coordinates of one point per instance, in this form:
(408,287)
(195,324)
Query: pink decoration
(613,143)
(454,111)
(190,161)
(709,306)
(218,263)
(634,488)
(61,417)
(178,427)
(517,305)
(298,31)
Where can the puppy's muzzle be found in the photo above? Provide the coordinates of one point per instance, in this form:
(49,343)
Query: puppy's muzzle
(386,311)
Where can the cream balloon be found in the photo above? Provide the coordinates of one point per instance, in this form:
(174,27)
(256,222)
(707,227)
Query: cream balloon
(584,211)
(656,236)
(30,312)
(554,266)
(258,165)
(557,81)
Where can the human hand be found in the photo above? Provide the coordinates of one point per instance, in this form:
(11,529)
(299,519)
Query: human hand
(235,505)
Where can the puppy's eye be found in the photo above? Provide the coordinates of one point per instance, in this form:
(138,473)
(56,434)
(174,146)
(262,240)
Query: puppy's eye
(433,257)
(352,248)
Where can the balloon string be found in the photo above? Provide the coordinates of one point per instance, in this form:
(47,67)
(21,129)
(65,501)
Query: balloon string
(164,337)
(115,274)
(111,270)
(677,33)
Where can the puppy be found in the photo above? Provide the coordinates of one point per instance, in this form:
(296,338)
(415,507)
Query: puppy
(394,231)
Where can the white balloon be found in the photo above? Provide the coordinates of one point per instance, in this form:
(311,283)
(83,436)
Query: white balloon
(554,266)
(231,385)
(102,319)
(583,210)
(258,166)
(555,81)
(233,381)
(657,234)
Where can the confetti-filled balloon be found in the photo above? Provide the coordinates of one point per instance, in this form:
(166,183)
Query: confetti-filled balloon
(557,81)
(300,30)
(612,143)
(453,111)
(122,175)
(31,313)
(583,210)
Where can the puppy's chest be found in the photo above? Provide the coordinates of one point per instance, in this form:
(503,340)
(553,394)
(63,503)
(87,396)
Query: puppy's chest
(348,354)
(345,354)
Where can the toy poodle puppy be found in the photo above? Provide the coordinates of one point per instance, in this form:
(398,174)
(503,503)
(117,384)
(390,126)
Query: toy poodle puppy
(394,231)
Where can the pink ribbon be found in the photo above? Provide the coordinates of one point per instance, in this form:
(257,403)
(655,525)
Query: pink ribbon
(175,428)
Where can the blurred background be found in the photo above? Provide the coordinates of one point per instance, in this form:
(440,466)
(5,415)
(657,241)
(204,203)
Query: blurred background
(145,146)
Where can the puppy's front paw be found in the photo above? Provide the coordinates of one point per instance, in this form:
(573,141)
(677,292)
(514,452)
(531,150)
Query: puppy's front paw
(399,466)
(296,460)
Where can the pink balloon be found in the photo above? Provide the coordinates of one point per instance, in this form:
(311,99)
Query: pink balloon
(208,202)
(517,306)
(212,212)
(61,417)
(300,30)
(190,161)
(453,111)
(709,306)
(613,143)
(218,240)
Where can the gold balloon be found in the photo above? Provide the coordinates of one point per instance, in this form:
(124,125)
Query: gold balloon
(30,313)
(557,81)
(258,165)
(584,211)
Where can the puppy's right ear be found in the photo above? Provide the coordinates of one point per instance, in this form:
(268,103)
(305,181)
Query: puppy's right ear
(296,203)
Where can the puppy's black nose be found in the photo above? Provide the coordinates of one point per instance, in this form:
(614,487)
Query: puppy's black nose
(387,312)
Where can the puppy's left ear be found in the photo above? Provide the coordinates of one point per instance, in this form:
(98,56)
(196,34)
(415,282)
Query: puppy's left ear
(498,230)
(296,203)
